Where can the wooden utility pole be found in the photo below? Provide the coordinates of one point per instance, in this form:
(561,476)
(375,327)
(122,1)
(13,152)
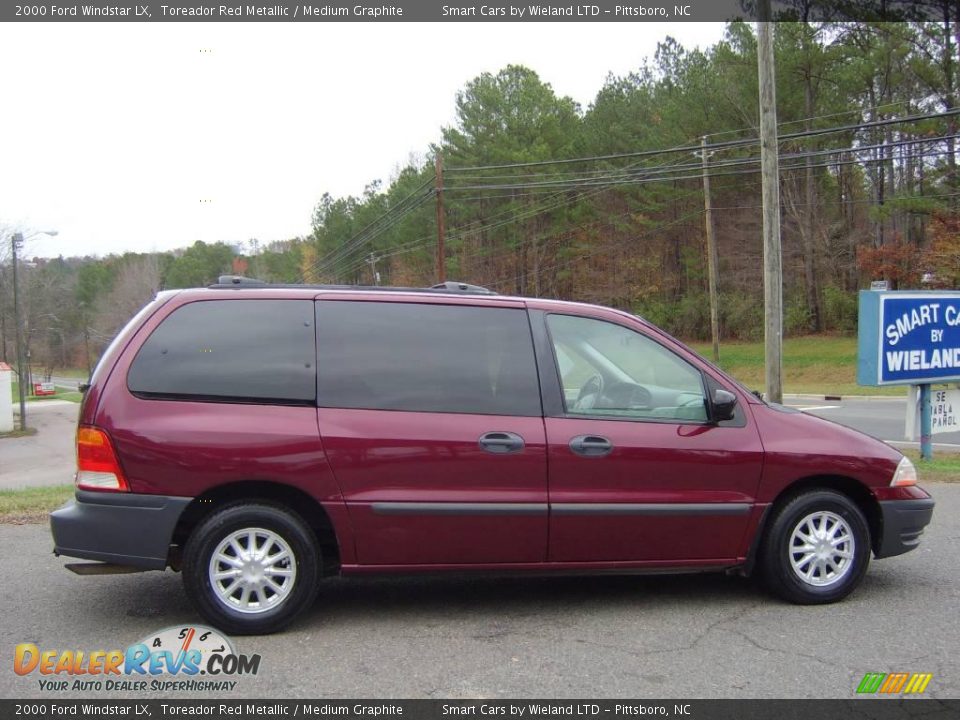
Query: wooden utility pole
(770,180)
(441,228)
(713,280)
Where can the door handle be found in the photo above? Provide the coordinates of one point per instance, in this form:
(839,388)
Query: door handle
(591,445)
(500,443)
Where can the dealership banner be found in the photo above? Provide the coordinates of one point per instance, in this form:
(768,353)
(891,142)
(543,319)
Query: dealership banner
(452,11)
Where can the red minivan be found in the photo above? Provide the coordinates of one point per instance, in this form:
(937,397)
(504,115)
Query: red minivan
(257,437)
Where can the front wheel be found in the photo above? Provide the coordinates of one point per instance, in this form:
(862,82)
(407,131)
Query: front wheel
(817,548)
(251,568)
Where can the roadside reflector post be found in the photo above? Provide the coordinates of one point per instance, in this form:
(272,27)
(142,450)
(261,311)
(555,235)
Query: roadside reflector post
(926,424)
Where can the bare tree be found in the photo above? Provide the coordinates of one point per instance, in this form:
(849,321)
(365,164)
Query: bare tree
(138,281)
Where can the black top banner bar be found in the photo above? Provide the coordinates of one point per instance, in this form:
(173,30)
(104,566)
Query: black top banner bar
(463,11)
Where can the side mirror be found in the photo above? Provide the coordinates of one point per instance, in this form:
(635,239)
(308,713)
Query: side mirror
(723,403)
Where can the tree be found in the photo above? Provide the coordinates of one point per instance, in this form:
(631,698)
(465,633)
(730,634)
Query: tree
(199,265)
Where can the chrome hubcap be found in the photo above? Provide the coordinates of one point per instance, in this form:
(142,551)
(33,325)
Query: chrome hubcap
(252,570)
(821,549)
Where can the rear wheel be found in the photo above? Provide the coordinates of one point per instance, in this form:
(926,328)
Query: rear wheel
(817,548)
(251,568)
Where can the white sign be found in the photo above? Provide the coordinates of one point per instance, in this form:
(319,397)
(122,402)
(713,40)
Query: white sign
(944,412)
(944,405)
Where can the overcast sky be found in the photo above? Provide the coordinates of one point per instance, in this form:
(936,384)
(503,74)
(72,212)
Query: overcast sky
(114,133)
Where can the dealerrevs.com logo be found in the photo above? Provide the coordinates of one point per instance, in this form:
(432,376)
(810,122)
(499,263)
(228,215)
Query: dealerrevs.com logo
(172,659)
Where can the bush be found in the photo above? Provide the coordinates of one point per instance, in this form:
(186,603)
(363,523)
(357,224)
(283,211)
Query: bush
(839,310)
(741,316)
(796,316)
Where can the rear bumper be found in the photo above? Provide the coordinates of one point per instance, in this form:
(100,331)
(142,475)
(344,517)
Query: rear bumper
(903,524)
(120,528)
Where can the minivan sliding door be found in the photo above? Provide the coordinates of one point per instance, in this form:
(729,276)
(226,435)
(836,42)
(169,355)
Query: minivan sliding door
(430,416)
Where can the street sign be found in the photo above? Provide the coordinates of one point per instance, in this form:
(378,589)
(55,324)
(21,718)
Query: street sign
(908,338)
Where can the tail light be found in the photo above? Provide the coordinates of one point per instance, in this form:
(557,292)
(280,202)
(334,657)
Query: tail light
(97,466)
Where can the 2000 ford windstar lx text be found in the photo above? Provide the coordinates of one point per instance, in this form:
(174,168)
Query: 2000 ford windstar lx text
(258,437)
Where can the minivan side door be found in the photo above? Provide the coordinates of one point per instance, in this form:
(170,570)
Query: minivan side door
(430,415)
(637,470)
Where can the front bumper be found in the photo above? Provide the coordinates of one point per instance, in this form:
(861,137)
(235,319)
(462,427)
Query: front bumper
(903,522)
(119,528)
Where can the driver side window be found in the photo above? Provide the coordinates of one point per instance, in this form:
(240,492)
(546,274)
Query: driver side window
(609,370)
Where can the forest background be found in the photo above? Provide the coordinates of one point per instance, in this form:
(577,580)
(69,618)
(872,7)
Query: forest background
(542,197)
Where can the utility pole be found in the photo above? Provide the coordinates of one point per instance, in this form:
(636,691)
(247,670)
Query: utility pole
(713,280)
(441,227)
(770,181)
(372,259)
(16,242)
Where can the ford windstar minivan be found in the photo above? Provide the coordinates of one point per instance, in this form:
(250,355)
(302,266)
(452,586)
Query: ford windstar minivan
(258,437)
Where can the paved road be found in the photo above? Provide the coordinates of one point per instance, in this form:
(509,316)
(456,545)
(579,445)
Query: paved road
(67,382)
(46,458)
(676,636)
(883,418)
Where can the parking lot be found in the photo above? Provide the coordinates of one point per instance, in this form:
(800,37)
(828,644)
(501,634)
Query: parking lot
(701,636)
(487,637)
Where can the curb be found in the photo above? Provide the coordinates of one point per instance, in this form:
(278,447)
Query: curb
(841,398)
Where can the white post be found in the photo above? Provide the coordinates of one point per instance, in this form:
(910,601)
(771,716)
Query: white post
(6,400)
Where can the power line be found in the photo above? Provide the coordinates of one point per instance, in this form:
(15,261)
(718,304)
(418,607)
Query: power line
(715,146)
(640,178)
(373,229)
(814,118)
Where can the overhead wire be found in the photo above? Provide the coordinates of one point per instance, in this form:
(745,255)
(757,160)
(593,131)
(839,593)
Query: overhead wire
(573,186)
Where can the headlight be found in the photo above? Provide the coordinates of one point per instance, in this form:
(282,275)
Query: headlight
(906,474)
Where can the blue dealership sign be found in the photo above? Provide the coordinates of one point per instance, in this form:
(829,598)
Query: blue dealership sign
(908,338)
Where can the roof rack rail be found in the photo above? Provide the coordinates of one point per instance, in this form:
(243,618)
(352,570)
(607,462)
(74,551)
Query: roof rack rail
(239,282)
(459,287)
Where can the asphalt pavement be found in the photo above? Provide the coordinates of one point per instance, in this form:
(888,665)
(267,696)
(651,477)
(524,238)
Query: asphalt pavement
(884,418)
(694,636)
(467,637)
(47,457)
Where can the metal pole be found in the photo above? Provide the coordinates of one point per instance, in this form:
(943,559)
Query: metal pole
(770,179)
(713,280)
(926,424)
(16,241)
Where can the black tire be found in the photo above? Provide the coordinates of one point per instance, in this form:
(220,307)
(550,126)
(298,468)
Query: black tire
(263,610)
(828,575)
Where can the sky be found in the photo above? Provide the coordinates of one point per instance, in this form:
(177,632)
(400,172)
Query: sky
(148,137)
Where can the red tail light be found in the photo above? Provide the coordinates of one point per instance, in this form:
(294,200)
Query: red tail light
(97,466)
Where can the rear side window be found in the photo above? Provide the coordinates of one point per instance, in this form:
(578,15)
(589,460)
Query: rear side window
(231,350)
(426,358)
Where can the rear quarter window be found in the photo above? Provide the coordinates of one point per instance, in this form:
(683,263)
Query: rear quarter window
(231,351)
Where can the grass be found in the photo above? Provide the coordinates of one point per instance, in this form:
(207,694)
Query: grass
(945,467)
(32,505)
(61,394)
(813,364)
